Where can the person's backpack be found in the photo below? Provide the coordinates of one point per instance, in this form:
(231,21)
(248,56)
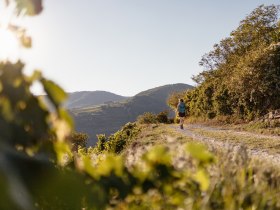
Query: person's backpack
(182,108)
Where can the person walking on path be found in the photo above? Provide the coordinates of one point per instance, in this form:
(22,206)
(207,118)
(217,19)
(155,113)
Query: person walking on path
(181,108)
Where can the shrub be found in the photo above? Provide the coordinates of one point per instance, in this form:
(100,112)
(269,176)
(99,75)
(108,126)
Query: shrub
(162,117)
(151,118)
(147,118)
(117,142)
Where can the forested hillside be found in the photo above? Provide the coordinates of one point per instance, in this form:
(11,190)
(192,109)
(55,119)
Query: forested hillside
(241,77)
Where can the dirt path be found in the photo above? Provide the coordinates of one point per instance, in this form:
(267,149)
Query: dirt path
(261,147)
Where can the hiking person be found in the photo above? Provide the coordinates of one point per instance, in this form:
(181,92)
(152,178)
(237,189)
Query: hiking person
(181,108)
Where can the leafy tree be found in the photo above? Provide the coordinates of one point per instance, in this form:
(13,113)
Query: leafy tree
(241,76)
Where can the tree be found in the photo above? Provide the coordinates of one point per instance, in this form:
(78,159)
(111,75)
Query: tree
(241,75)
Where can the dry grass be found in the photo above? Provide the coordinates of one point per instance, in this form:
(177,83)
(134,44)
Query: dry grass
(268,144)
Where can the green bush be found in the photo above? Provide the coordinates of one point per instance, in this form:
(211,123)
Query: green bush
(147,118)
(162,117)
(151,118)
(117,142)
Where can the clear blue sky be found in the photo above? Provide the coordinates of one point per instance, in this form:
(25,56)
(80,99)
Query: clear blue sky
(127,46)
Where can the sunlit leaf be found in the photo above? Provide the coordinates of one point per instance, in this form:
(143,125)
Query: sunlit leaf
(202,178)
(6,109)
(63,152)
(26,41)
(86,164)
(62,129)
(158,154)
(110,164)
(199,152)
(36,75)
(54,92)
(29,7)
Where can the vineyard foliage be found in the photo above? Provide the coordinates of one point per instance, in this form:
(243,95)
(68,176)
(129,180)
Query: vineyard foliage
(241,76)
(40,170)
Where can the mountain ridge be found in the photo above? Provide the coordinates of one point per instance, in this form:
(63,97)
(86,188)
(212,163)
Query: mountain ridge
(82,99)
(108,118)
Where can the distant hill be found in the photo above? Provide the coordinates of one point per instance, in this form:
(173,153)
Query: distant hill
(109,118)
(91,98)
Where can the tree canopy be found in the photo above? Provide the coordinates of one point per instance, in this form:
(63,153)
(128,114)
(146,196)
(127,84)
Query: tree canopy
(241,74)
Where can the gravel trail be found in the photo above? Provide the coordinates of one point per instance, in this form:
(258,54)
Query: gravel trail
(219,144)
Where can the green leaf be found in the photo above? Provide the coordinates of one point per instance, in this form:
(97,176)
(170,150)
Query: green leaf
(202,178)
(36,75)
(109,164)
(63,152)
(6,109)
(55,93)
(158,154)
(199,152)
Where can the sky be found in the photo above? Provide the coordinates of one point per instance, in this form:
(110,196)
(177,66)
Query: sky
(127,46)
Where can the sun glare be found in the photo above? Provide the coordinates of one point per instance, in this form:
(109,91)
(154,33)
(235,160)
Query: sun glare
(9,45)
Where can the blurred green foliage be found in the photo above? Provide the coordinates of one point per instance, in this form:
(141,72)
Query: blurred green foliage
(29,138)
